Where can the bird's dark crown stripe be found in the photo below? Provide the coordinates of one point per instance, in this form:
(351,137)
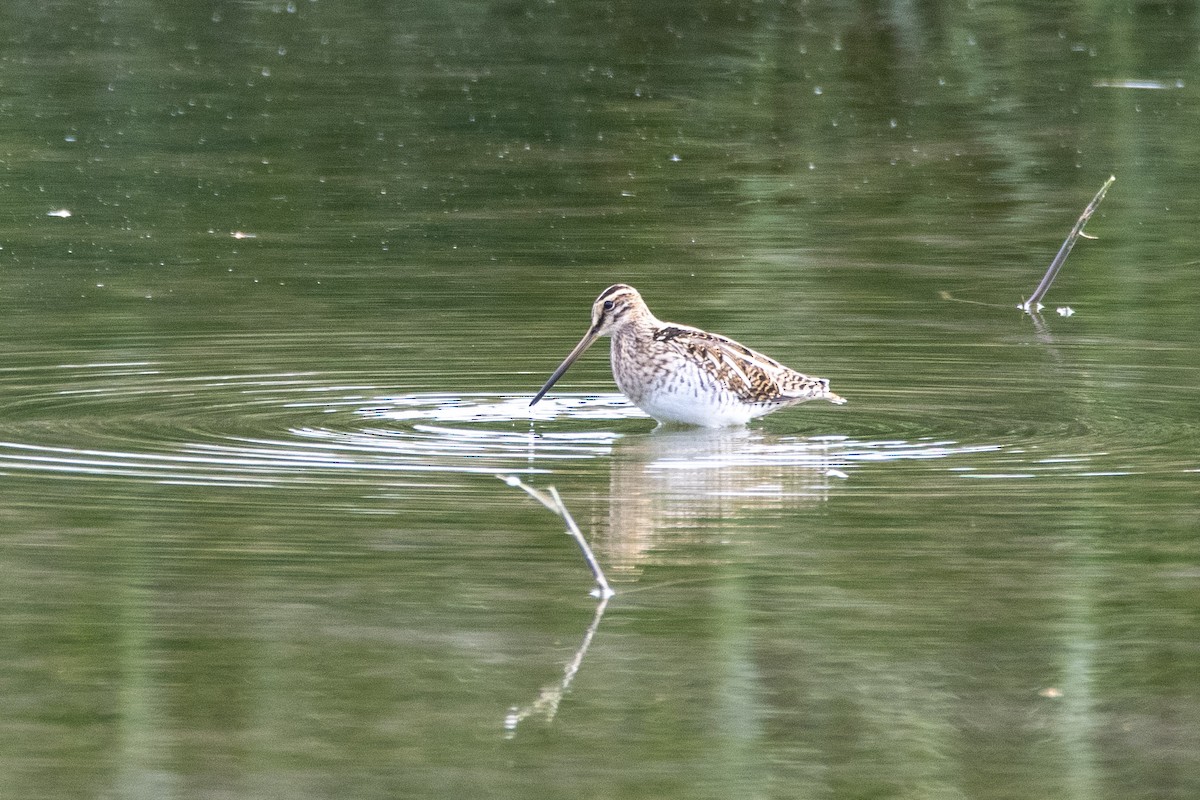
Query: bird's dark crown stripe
(610,291)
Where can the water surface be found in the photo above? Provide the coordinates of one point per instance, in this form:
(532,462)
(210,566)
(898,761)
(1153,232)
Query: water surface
(279,280)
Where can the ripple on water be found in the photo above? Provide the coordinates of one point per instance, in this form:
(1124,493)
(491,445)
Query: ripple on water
(148,421)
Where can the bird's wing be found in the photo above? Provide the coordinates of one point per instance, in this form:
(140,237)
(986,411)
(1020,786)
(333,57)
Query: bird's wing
(752,376)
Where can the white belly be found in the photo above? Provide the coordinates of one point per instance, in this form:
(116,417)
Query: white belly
(686,395)
(687,410)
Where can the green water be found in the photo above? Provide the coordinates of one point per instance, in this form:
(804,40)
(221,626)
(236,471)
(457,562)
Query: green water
(277,280)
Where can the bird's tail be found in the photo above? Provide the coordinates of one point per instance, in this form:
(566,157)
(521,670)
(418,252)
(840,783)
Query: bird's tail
(836,399)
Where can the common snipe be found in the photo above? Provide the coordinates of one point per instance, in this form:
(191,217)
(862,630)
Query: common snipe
(683,375)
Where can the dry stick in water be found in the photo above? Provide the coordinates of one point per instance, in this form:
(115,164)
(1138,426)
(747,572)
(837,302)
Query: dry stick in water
(553,502)
(1034,303)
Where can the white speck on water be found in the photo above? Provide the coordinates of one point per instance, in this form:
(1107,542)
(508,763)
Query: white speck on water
(1065,311)
(62,213)
(1135,83)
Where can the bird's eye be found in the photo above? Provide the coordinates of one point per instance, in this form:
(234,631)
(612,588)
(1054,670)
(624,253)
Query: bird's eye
(608,305)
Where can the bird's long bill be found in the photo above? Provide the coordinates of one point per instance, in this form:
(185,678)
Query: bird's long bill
(584,344)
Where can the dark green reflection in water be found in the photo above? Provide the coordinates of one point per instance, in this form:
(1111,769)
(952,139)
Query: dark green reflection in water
(257,384)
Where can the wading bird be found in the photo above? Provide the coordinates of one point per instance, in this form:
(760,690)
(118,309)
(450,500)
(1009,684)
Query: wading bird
(683,375)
